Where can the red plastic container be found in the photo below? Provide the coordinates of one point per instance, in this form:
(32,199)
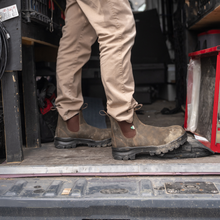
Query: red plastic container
(210,71)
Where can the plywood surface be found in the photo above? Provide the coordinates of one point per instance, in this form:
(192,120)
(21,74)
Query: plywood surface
(31,41)
(82,156)
(210,20)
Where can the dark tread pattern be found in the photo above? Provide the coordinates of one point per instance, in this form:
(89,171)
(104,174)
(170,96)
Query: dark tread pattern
(73,144)
(131,154)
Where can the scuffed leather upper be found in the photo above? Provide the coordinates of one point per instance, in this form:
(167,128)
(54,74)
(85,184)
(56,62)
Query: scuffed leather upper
(85,131)
(146,135)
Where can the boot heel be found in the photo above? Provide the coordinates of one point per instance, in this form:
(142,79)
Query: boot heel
(64,144)
(123,155)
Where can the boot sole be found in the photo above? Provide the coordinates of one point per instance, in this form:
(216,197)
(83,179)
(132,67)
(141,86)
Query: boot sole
(65,143)
(127,153)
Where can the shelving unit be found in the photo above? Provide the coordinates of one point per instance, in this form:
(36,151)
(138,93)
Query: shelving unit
(211,20)
(28,41)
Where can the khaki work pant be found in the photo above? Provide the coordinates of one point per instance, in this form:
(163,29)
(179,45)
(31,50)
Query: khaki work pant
(113,23)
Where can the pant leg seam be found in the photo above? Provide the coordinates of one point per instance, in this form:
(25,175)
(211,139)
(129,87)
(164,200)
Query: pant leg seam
(74,63)
(120,37)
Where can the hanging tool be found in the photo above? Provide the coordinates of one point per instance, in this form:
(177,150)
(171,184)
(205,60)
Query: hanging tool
(4,48)
(51,19)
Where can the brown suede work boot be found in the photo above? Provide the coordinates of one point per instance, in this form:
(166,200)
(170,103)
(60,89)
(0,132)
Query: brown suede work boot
(87,135)
(148,139)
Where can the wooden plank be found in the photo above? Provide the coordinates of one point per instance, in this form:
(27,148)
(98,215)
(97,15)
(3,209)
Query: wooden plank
(12,118)
(209,21)
(32,40)
(31,112)
(27,42)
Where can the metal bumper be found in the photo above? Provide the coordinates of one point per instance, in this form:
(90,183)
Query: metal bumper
(110,198)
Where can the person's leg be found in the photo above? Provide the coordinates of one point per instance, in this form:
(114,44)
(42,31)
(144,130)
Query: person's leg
(115,27)
(74,52)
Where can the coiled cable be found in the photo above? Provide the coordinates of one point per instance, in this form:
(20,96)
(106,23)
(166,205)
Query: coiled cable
(4,48)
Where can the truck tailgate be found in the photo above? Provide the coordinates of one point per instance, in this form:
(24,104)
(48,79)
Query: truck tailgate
(110,198)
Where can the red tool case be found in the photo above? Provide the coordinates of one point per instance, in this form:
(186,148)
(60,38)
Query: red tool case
(209,108)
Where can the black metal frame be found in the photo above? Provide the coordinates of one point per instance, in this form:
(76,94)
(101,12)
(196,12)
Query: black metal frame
(18,28)
(31,112)
(42,16)
(12,117)
(30,13)
(203,7)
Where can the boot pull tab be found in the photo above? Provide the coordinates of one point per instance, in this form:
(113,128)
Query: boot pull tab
(103,113)
(138,107)
(53,108)
(84,106)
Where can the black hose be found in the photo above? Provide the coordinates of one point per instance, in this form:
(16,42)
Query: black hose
(4,49)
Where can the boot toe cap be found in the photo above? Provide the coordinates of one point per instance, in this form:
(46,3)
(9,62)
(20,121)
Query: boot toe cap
(175,132)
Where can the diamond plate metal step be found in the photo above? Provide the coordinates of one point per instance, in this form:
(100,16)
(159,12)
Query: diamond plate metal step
(110,198)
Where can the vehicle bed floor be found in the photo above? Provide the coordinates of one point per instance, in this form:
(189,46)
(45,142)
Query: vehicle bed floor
(101,158)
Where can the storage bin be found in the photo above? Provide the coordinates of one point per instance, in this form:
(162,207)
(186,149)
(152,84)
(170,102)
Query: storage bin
(209,39)
(37,9)
(40,11)
(143,94)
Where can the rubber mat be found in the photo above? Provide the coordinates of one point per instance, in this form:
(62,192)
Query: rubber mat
(91,114)
(191,149)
